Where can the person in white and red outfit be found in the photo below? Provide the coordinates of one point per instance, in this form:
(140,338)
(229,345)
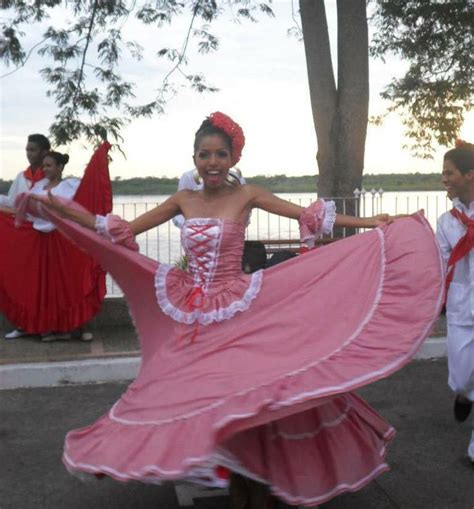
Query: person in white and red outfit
(48,286)
(455,235)
(37,147)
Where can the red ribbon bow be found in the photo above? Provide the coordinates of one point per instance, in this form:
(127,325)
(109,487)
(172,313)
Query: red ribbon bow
(195,300)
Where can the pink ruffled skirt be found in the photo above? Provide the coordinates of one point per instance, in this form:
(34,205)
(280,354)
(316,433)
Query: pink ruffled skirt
(268,393)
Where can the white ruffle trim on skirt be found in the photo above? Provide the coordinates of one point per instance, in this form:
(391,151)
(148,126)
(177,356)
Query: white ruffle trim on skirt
(197,315)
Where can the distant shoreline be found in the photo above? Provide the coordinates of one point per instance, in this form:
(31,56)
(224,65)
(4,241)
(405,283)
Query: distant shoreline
(277,183)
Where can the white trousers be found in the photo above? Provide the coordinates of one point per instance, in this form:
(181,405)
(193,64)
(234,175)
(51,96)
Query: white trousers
(461,359)
(470,448)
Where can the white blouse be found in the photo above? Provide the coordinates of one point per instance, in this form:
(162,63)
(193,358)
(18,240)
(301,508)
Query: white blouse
(65,189)
(20,185)
(460,302)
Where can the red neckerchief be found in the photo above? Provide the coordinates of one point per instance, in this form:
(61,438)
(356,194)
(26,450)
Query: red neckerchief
(464,245)
(33,177)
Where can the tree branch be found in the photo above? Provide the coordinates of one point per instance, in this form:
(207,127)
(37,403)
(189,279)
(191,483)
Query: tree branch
(28,55)
(130,9)
(86,47)
(295,19)
(184,47)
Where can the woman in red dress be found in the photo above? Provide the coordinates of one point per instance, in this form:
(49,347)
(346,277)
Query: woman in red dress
(48,286)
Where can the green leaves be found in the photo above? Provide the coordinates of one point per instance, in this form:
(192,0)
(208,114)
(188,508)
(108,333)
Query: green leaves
(160,13)
(437,88)
(92,103)
(11,51)
(207,42)
(198,83)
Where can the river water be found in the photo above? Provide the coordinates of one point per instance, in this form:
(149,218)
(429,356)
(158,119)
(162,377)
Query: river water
(163,243)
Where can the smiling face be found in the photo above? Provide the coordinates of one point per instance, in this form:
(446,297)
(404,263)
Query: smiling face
(456,183)
(213,160)
(52,169)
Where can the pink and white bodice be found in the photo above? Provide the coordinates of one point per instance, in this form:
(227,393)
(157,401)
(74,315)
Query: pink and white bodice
(214,287)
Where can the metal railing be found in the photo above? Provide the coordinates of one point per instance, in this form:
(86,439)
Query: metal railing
(163,242)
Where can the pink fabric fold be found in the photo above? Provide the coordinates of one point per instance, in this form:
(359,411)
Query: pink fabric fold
(306,458)
(22,203)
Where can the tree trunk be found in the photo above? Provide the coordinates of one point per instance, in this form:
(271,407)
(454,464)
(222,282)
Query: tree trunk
(340,114)
(322,89)
(352,93)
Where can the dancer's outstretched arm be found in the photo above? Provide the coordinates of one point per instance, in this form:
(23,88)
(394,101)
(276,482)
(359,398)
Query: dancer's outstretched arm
(159,215)
(52,203)
(266,200)
(154,217)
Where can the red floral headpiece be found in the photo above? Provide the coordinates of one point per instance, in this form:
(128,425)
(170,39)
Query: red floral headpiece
(233,130)
(459,143)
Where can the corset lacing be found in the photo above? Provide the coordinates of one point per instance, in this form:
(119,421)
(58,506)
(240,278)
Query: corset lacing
(213,288)
(200,258)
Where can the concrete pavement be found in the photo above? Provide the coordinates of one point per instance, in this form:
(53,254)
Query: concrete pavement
(429,467)
(113,354)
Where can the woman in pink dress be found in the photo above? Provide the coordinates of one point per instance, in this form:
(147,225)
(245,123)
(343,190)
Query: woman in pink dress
(255,372)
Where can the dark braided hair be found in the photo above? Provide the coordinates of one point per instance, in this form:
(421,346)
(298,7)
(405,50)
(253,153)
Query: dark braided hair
(208,129)
(462,157)
(62,159)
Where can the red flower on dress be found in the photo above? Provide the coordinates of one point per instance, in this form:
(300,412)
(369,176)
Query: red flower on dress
(233,130)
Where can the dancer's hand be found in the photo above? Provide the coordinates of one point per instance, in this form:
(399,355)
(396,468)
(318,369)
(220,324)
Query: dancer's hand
(381,219)
(7,210)
(51,202)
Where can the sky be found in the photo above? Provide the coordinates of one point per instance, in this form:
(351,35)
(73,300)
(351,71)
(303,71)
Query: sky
(261,73)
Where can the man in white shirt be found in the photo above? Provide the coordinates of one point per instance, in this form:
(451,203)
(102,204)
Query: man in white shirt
(454,234)
(37,147)
(191,180)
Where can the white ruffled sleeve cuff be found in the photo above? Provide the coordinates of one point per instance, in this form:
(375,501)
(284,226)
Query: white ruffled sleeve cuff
(101,227)
(329,217)
(316,220)
(117,230)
